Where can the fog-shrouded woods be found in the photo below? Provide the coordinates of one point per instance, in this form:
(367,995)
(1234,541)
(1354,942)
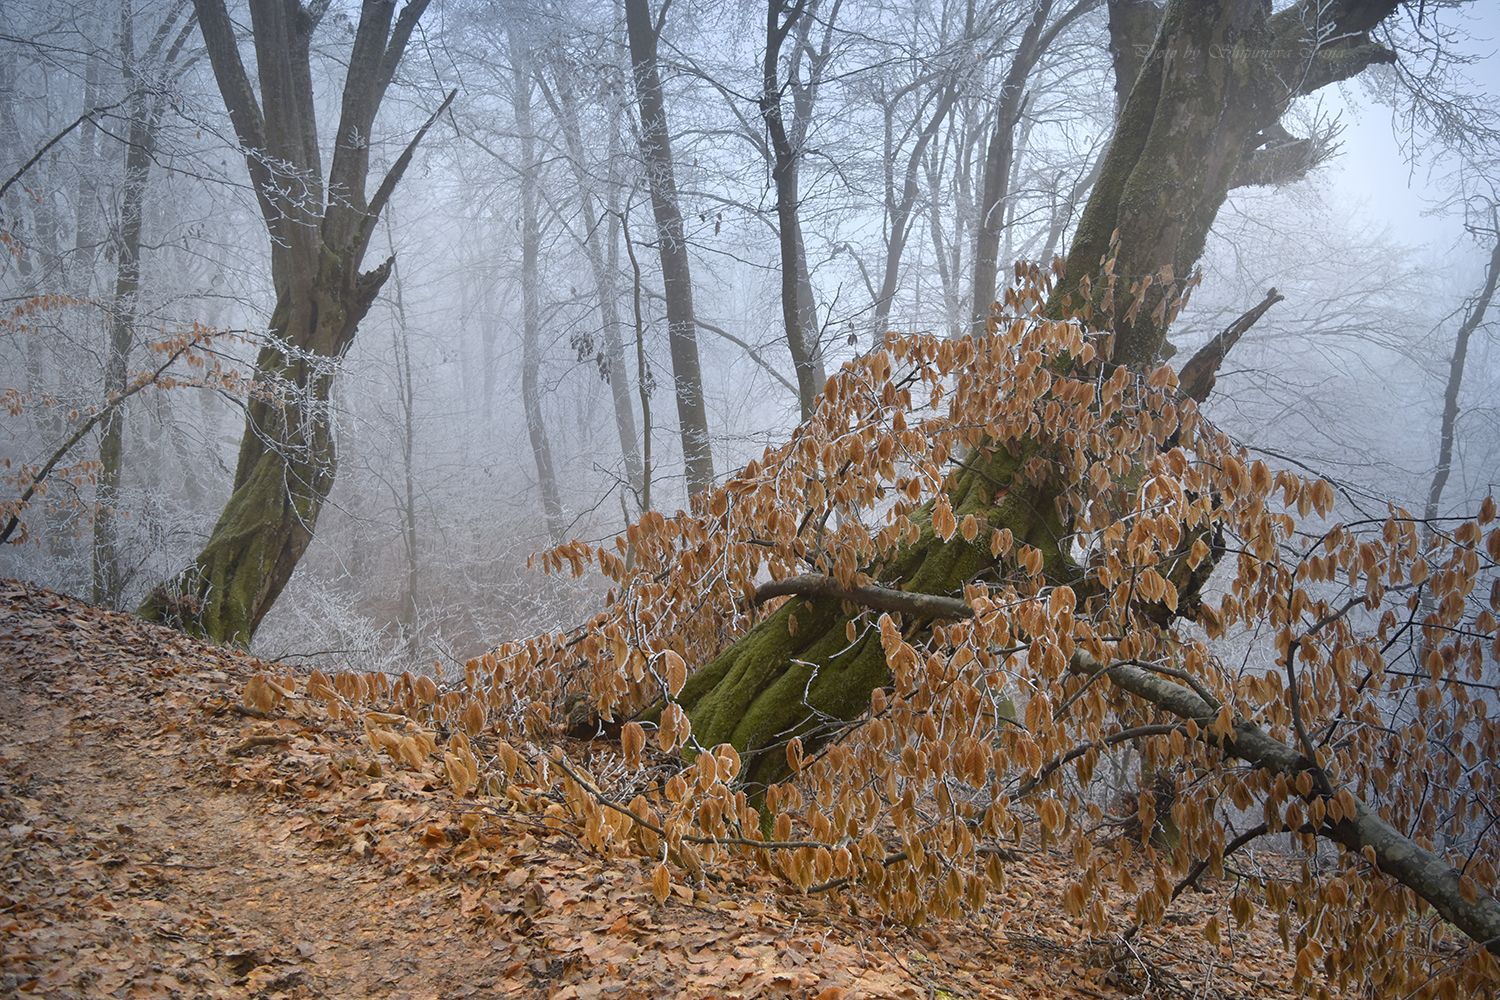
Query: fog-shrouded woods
(321,319)
(600,293)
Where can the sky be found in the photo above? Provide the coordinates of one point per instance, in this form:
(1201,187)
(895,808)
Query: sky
(1380,179)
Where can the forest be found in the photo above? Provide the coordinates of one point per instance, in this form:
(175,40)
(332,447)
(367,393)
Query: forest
(709,498)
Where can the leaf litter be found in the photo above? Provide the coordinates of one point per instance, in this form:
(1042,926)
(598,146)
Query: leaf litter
(177,820)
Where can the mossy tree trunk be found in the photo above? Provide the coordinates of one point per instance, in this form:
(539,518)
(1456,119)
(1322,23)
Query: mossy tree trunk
(1209,90)
(796,674)
(286,466)
(319,231)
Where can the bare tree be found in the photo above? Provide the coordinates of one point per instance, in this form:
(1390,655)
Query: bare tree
(146,102)
(1472,320)
(527,171)
(600,240)
(682,329)
(1000,155)
(798,308)
(319,231)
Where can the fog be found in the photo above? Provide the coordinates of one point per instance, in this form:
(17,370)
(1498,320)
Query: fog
(420,553)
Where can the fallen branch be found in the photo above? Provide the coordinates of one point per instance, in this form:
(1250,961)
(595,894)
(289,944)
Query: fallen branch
(1365,833)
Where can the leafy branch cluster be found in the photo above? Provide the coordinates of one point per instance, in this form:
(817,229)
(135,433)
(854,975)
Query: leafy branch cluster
(1114,545)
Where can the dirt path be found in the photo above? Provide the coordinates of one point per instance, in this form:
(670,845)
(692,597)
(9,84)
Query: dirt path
(151,846)
(126,871)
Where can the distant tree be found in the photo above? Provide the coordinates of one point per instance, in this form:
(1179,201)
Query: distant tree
(1473,318)
(146,75)
(528,170)
(783,148)
(600,239)
(319,230)
(643,33)
(1000,153)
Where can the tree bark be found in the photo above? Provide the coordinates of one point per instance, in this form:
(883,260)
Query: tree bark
(682,328)
(531,306)
(319,231)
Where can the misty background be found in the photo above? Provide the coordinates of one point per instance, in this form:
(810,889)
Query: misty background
(421,553)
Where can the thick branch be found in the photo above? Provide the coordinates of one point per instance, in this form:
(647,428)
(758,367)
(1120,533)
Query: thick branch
(1366,833)
(1310,65)
(1282,158)
(239,99)
(871,596)
(1196,380)
(393,175)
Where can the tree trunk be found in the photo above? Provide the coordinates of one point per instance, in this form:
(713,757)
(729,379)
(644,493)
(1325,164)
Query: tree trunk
(1472,319)
(682,327)
(285,470)
(406,397)
(998,160)
(1208,94)
(531,290)
(108,577)
(287,456)
(798,311)
(752,695)
(604,267)
(140,146)
(86,195)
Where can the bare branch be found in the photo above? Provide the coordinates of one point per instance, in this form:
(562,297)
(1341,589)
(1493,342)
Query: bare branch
(1365,832)
(1197,377)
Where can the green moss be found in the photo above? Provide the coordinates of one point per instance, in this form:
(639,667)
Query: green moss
(772,684)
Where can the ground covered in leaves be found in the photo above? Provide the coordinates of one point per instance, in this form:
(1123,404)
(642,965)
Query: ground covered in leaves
(158,838)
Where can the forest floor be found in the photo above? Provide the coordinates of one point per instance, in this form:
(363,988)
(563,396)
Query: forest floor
(158,840)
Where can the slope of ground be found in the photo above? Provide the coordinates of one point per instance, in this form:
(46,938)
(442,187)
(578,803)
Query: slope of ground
(159,839)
